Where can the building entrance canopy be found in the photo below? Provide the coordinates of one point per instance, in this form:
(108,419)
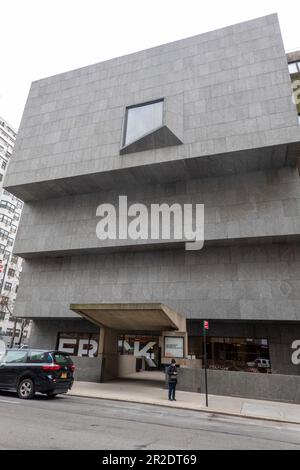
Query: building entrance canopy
(132,316)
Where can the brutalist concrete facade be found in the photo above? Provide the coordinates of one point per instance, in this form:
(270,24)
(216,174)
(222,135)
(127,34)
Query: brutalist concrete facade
(227,97)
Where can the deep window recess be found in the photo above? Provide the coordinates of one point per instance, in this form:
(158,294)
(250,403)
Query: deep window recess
(142,119)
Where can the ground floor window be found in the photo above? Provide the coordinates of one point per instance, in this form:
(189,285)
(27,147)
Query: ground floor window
(143,347)
(239,354)
(78,344)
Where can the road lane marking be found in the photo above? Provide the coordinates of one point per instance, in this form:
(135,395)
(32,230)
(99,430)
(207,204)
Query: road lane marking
(11,402)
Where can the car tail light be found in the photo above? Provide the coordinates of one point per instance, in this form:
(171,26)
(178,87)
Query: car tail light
(51,367)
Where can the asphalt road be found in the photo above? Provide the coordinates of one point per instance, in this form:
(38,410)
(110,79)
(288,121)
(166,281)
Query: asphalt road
(80,423)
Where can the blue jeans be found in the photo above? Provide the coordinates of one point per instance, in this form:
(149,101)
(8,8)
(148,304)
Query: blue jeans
(172,388)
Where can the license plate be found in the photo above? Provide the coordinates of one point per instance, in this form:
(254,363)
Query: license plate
(64,375)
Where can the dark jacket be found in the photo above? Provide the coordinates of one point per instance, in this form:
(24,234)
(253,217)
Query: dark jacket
(172,374)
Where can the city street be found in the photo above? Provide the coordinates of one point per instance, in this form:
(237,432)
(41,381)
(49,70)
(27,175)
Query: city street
(80,423)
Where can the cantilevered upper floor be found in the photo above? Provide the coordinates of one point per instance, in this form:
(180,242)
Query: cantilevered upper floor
(217,103)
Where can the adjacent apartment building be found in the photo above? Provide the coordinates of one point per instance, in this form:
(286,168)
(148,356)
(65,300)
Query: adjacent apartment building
(209,119)
(10,264)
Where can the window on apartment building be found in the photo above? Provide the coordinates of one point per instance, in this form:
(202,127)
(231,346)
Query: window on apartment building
(6,254)
(8,286)
(14,356)
(14,259)
(2,315)
(2,248)
(4,300)
(13,228)
(1,177)
(3,234)
(3,165)
(19,204)
(16,216)
(7,205)
(11,272)
(6,220)
(142,119)
(10,241)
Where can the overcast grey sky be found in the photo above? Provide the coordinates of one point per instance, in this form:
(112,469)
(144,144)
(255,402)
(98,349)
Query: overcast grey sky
(40,38)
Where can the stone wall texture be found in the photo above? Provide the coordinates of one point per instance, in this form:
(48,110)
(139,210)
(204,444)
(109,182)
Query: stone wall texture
(273,387)
(230,89)
(259,282)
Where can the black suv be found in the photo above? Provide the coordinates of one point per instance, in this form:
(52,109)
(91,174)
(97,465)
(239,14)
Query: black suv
(28,371)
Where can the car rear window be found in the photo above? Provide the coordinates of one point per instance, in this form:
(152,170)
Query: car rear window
(15,357)
(62,359)
(39,357)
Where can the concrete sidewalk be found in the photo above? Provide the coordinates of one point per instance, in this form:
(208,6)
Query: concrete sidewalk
(153,392)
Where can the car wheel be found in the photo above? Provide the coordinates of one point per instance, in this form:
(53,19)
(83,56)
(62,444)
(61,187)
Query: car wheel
(26,389)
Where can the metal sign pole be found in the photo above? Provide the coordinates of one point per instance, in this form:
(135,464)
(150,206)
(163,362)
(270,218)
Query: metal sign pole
(205,361)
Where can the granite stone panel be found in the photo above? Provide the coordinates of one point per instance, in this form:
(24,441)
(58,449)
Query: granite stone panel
(253,205)
(255,282)
(226,90)
(274,387)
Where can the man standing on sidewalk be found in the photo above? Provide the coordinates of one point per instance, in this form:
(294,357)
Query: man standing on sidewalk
(172,379)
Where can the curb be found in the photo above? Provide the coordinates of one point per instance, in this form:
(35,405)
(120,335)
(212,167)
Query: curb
(204,410)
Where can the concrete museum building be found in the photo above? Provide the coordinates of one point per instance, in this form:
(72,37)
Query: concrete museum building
(204,120)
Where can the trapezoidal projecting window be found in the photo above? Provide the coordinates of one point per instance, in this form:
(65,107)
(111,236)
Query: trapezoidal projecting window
(142,119)
(147,127)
